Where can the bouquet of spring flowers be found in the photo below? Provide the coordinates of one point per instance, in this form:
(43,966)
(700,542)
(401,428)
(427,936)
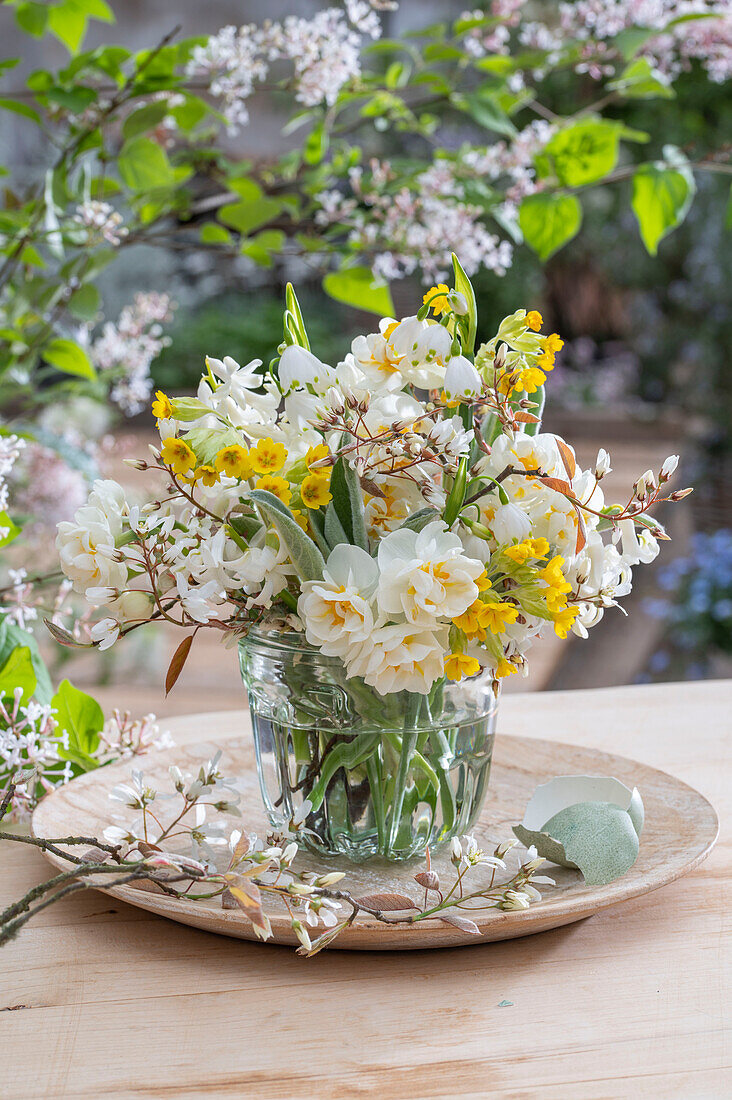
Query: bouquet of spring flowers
(400,518)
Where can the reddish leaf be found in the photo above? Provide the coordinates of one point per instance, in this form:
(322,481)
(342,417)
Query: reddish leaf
(567,458)
(227,901)
(387,902)
(557,484)
(581,532)
(462,923)
(176,665)
(525,417)
(429,879)
(247,895)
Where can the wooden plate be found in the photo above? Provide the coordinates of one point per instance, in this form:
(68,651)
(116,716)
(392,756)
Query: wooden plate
(681,828)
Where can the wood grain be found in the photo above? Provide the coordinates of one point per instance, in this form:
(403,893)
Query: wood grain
(681,827)
(111,1001)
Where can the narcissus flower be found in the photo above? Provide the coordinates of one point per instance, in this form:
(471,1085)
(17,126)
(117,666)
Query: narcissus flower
(162,408)
(178,455)
(234,461)
(315,491)
(278,486)
(426,576)
(267,457)
(460,665)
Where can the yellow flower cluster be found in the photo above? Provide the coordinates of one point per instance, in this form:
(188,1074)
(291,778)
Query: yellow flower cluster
(562,614)
(529,549)
(315,488)
(529,376)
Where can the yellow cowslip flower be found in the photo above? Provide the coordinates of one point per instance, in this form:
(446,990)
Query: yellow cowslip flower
(440,302)
(209,475)
(161,406)
(315,490)
(234,461)
(557,585)
(459,665)
(469,623)
(496,616)
(546,361)
(278,486)
(539,547)
(504,668)
(178,455)
(534,320)
(531,378)
(300,519)
(483,582)
(520,552)
(316,454)
(267,457)
(564,620)
(553,343)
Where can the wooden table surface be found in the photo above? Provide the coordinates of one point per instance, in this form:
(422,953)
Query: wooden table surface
(99,999)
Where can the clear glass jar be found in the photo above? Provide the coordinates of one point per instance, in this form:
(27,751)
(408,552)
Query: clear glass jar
(370,775)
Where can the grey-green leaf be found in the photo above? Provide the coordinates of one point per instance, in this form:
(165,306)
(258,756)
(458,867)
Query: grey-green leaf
(306,557)
(348,503)
(333,528)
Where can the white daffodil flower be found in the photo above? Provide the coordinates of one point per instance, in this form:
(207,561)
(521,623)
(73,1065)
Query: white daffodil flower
(426,576)
(337,610)
(400,657)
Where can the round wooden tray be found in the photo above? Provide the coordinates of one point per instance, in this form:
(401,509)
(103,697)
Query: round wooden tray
(680,830)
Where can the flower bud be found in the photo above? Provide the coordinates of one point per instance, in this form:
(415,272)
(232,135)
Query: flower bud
(602,464)
(669,467)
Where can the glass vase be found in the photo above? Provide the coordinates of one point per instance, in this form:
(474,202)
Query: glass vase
(367,775)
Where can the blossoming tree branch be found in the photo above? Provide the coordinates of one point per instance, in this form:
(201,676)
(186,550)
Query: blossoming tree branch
(493,160)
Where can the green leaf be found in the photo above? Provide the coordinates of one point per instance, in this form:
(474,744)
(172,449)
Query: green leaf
(7,524)
(661,199)
(584,152)
(144,119)
(639,80)
(32,18)
(348,503)
(207,442)
(67,22)
(18,672)
(12,636)
(215,234)
(316,145)
(306,557)
(357,286)
(143,165)
(248,215)
(81,718)
(548,220)
(20,109)
(84,302)
(68,357)
(333,528)
(484,108)
(728,215)
(464,286)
